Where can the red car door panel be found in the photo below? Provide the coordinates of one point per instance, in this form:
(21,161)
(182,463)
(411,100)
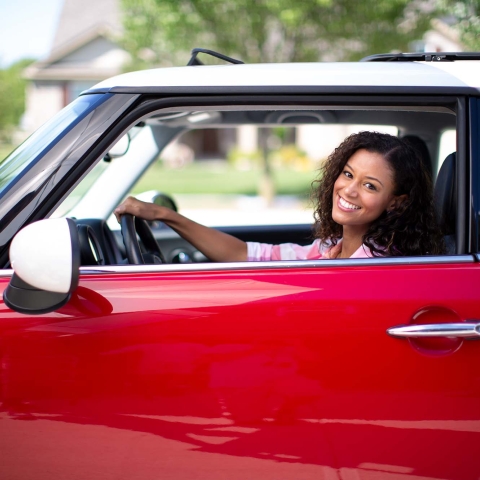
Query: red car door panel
(268,374)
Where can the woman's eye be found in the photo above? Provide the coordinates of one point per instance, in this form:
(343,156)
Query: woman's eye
(348,174)
(370,186)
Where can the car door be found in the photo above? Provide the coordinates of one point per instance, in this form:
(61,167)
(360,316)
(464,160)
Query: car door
(273,370)
(281,370)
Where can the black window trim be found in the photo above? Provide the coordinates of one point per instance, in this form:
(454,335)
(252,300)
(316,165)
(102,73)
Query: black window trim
(474,169)
(463,224)
(456,103)
(145,104)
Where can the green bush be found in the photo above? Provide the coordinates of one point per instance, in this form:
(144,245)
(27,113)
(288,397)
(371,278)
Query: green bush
(223,178)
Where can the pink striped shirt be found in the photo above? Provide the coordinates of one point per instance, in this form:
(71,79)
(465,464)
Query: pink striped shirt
(261,252)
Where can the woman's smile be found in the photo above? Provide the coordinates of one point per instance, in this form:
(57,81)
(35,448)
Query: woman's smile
(346,206)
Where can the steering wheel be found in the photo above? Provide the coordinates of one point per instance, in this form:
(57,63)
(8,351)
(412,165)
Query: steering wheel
(130,227)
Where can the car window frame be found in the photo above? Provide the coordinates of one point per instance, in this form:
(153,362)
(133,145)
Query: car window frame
(456,103)
(140,106)
(474,168)
(287,265)
(462,171)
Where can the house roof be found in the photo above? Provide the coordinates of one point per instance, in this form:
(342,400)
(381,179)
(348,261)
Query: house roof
(93,55)
(85,45)
(80,16)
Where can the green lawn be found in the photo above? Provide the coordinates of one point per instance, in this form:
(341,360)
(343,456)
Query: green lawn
(201,177)
(205,177)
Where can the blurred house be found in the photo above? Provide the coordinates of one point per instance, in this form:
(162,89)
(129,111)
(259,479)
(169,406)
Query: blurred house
(85,51)
(442,38)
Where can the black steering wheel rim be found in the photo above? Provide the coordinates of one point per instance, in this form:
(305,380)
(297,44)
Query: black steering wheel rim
(131,226)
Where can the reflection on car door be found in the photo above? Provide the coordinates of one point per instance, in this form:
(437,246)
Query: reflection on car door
(265,373)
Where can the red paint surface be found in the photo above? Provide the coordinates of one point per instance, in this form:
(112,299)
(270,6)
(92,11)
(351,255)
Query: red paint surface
(281,374)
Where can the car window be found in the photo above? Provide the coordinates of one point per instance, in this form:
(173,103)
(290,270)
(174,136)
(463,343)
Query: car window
(82,188)
(236,168)
(245,175)
(38,143)
(448,144)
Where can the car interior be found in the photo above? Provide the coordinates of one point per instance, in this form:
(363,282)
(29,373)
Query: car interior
(430,129)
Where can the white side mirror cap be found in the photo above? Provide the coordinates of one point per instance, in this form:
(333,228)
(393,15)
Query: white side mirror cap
(45,255)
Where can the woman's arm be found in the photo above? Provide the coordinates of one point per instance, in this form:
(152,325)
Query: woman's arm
(215,245)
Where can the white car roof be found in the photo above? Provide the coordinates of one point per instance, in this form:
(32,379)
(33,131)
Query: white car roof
(457,74)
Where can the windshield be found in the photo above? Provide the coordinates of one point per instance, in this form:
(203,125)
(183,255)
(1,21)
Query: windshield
(44,138)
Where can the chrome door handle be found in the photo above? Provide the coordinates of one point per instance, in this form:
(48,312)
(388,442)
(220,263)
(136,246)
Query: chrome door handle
(469,329)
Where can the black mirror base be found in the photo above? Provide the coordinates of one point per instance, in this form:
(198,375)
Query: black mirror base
(23,298)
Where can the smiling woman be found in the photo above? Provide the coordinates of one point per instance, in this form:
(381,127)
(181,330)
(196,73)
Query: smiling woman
(376,191)
(373,199)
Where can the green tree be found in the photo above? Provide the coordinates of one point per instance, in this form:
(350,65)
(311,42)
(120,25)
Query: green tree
(466,15)
(164,31)
(12,97)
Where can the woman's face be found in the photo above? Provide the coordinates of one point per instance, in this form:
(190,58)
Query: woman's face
(363,191)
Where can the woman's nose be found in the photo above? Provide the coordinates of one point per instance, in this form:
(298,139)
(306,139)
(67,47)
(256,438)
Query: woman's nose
(351,189)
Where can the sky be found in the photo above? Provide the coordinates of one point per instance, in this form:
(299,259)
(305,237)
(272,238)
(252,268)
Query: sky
(27,28)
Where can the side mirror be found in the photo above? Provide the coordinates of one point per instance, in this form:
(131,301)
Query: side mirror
(161,199)
(158,198)
(165,201)
(45,257)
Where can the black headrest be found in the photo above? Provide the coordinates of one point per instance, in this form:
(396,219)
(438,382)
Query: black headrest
(445,195)
(421,148)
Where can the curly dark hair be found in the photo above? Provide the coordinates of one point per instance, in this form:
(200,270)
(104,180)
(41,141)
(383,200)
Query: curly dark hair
(411,228)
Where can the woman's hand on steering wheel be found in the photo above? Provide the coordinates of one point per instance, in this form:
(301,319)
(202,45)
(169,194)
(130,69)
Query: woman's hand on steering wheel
(133,214)
(130,227)
(137,208)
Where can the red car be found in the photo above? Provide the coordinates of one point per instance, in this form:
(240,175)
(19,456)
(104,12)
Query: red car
(116,366)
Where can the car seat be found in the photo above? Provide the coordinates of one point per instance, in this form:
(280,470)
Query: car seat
(445,197)
(421,148)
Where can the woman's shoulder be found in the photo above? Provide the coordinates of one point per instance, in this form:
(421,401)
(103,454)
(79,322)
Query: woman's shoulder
(285,251)
(317,250)
(364,251)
